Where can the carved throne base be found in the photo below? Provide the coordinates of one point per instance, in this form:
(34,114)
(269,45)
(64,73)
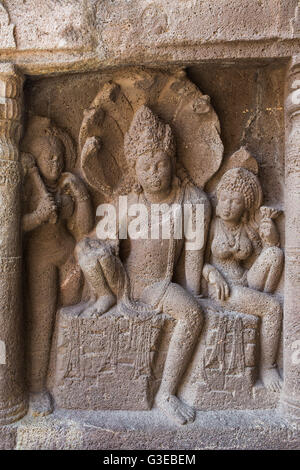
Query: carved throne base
(224,372)
(107,362)
(116,361)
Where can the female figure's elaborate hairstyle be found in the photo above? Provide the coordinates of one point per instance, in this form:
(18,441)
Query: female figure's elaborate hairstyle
(246,183)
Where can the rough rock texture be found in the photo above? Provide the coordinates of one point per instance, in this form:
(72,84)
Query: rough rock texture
(126,339)
(96,33)
(119,430)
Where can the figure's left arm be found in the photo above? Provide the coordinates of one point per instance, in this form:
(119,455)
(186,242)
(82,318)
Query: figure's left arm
(195,252)
(81,221)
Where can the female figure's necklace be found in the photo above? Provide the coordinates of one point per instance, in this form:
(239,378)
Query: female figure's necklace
(232,234)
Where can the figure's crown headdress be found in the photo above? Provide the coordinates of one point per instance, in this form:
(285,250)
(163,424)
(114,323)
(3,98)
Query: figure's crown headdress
(147,132)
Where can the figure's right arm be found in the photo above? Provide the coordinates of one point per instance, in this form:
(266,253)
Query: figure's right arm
(30,221)
(211,274)
(41,214)
(207,268)
(34,218)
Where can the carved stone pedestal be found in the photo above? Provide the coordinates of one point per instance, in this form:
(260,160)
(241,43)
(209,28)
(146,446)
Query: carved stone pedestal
(224,372)
(115,362)
(108,362)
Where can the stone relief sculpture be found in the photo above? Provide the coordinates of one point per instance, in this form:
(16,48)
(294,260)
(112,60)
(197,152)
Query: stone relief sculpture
(57,212)
(104,324)
(147,273)
(234,237)
(133,281)
(126,317)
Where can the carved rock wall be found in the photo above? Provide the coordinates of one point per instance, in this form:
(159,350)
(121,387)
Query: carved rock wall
(102,73)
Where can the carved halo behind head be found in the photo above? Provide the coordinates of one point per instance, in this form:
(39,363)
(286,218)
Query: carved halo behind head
(120,104)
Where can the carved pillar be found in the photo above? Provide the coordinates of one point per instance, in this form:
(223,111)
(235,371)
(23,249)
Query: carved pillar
(290,402)
(12,400)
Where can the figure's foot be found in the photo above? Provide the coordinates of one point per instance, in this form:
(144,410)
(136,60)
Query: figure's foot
(271,379)
(102,305)
(40,404)
(178,411)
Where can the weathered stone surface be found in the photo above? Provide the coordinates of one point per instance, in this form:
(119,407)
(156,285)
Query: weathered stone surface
(91,33)
(107,363)
(117,430)
(13,400)
(134,323)
(7,30)
(124,25)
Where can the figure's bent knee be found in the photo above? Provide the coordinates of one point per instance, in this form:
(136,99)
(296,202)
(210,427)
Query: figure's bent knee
(87,252)
(274,256)
(79,248)
(87,262)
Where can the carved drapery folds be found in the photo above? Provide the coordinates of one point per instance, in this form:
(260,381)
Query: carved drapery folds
(291,392)
(12,401)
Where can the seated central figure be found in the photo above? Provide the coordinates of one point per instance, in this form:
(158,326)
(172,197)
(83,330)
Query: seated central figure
(143,273)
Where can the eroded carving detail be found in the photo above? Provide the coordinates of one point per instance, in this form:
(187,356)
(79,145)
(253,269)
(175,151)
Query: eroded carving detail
(99,355)
(57,211)
(10,265)
(295,22)
(10,173)
(226,361)
(140,333)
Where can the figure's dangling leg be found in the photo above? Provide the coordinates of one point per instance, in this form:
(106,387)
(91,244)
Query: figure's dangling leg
(181,305)
(70,283)
(253,302)
(40,322)
(269,340)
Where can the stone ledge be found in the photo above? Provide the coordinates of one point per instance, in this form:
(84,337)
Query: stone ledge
(223,53)
(112,430)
